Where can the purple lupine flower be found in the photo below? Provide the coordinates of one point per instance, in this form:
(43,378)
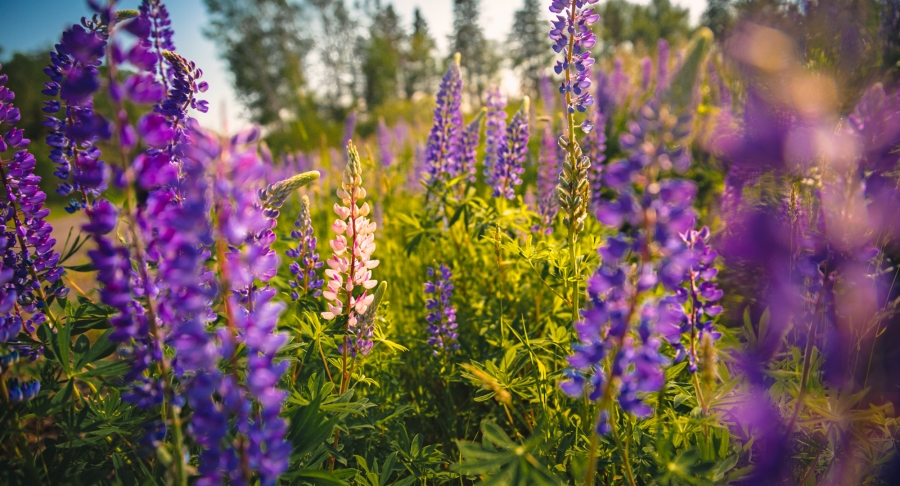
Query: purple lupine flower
(160,37)
(548,95)
(595,145)
(693,266)
(74,78)
(510,164)
(22,391)
(573,37)
(471,137)
(303,269)
(619,83)
(385,149)
(244,235)
(30,275)
(441,313)
(646,74)
(648,257)
(349,127)
(442,151)
(551,156)
(662,65)
(494,130)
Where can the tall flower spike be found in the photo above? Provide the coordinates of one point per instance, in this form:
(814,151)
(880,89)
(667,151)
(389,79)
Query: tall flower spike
(470,140)
(385,146)
(494,131)
(30,274)
(74,78)
(507,171)
(574,189)
(572,36)
(350,268)
(442,151)
(548,169)
(303,270)
(441,312)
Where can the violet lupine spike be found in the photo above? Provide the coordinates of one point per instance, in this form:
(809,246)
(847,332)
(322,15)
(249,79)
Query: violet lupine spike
(471,137)
(510,164)
(548,95)
(74,78)
(306,259)
(649,258)
(646,74)
(574,18)
(494,130)
(619,83)
(160,38)
(442,150)
(350,268)
(551,156)
(349,127)
(385,146)
(596,140)
(662,65)
(245,225)
(30,274)
(27,258)
(441,316)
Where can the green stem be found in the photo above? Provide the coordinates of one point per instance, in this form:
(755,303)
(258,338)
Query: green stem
(626,464)
(592,461)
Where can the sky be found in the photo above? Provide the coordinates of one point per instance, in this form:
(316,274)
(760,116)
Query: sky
(29,25)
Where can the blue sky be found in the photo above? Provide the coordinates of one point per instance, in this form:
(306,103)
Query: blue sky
(27,25)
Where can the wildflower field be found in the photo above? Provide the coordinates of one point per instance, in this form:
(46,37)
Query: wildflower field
(669,263)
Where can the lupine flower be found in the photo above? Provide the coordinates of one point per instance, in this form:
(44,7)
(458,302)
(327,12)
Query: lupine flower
(74,77)
(303,269)
(385,150)
(351,266)
(647,257)
(646,74)
(573,37)
(160,38)
(549,162)
(468,151)
(548,95)
(441,313)
(22,391)
(596,140)
(442,156)
(506,173)
(662,65)
(349,127)
(494,131)
(30,274)
(619,83)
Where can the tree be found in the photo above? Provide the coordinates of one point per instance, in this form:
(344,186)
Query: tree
(718,16)
(381,57)
(658,20)
(478,60)
(336,46)
(265,46)
(419,67)
(529,42)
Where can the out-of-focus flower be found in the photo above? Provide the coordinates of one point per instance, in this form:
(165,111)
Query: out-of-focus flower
(441,312)
(507,170)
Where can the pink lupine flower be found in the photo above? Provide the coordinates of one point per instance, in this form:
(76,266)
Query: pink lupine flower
(350,267)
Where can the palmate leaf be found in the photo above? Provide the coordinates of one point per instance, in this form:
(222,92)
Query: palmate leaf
(499,460)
